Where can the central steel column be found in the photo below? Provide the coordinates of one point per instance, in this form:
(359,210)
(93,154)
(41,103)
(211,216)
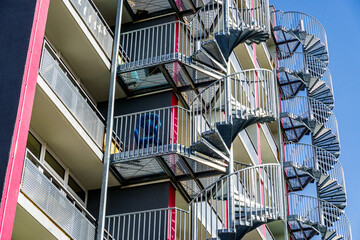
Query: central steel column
(109,124)
(230,168)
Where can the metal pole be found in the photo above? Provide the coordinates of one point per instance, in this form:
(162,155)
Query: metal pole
(226,5)
(282,156)
(109,124)
(230,168)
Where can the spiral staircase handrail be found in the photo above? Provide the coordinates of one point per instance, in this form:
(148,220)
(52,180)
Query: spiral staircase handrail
(332,166)
(311,28)
(322,113)
(231,174)
(224,78)
(296,62)
(340,223)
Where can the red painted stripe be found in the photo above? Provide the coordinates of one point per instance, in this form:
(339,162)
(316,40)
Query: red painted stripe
(18,145)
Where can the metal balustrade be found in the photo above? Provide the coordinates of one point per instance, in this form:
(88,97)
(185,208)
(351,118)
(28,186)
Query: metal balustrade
(157,224)
(48,194)
(62,82)
(310,157)
(257,198)
(96,23)
(155,45)
(209,20)
(300,21)
(157,131)
(302,108)
(324,217)
(252,95)
(312,73)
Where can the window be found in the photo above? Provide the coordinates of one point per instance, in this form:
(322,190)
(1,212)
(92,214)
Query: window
(53,168)
(34,146)
(49,159)
(75,187)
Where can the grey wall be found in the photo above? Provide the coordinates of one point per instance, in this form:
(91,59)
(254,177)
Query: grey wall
(16,19)
(130,199)
(133,105)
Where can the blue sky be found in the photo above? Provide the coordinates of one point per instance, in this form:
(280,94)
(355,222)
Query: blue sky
(341,20)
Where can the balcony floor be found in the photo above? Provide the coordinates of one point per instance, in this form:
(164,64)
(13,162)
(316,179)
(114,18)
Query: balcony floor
(167,162)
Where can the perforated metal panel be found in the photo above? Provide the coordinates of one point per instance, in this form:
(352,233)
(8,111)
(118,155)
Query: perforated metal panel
(175,164)
(58,80)
(139,168)
(54,204)
(96,25)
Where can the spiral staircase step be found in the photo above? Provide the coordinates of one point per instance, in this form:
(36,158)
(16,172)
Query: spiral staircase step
(204,147)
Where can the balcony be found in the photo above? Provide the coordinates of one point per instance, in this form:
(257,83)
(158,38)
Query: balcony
(67,120)
(76,29)
(157,142)
(199,136)
(96,24)
(159,57)
(257,200)
(62,82)
(47,193)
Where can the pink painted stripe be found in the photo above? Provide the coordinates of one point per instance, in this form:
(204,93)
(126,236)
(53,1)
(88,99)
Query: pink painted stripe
(17,151)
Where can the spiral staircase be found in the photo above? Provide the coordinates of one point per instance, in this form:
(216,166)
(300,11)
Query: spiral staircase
(190,52)
(220,29)
(307,101)
(233,205)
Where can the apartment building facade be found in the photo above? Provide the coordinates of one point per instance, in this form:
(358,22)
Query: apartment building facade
(168,119)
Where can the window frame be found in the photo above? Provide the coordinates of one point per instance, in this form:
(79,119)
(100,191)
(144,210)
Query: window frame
(64,182)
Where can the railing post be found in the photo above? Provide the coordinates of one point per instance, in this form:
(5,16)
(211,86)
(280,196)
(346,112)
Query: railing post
(109,124)
(226,5)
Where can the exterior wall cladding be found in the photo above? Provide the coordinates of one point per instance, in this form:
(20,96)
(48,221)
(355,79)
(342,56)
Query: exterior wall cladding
(221,125)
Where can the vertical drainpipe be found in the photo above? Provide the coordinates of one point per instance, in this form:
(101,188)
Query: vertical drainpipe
(109,124)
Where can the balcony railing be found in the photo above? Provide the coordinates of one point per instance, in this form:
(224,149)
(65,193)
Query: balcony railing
(158,224)
(62,82)
(157,131)
(256,197)
(155,45)
(96,23)
(47,193)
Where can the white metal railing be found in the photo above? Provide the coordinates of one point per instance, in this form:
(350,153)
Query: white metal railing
(62,82)
(310,209)
(156,131)
(209,20)
(157,224)
(55,201)
(306,63)
(310,109)
(157,44)
(175,129)
(252,95)
(257,196)
(310,156)
(96,23)
(300,21)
